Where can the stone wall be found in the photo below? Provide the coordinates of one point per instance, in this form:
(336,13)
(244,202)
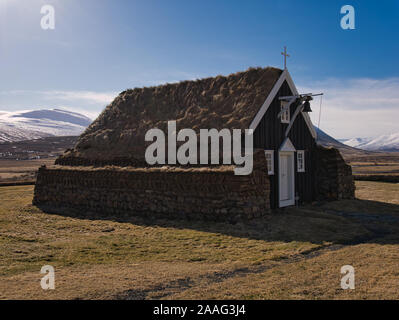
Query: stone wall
(209,193)
(334,179)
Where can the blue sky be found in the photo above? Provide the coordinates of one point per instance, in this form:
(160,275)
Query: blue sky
(102,47)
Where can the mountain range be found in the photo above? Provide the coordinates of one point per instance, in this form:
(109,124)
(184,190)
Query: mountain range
(36,124)
(381,143)
(385,143)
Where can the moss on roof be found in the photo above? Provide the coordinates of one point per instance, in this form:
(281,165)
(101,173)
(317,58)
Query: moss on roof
(221,102)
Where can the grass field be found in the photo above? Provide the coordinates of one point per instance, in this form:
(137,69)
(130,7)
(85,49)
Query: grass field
(380,167)
(370,166)
(296,253)
(24,170)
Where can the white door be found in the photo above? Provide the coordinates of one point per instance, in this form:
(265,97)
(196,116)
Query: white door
(286,179)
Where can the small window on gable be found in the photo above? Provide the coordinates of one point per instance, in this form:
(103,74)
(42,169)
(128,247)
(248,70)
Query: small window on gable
(301,160)
(285,116)
(270,161)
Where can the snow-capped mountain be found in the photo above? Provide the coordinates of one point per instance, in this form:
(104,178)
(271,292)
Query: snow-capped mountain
(34,124)
(355,142)
(327,141)
(382,143)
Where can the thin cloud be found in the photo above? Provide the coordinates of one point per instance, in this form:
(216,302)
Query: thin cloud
(356,107)
(89,96)
(92,97)
(92,115)
(89,103)
(362,107)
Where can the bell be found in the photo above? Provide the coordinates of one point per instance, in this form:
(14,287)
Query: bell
(306,105)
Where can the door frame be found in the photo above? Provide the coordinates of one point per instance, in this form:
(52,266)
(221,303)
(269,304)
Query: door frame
(287,148)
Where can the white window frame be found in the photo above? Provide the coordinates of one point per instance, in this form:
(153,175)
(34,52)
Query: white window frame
(285,116)
(271,153)
(300,153)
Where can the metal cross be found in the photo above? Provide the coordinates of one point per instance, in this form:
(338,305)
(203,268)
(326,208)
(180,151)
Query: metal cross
(285,54)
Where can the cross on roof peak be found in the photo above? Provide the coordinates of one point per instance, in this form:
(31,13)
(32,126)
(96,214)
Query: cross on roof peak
(285,54)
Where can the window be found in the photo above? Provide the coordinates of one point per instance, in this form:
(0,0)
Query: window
(285,116)
(270,161)
(300,157)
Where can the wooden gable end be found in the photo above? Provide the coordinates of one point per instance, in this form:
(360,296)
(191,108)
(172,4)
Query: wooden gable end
(270,134)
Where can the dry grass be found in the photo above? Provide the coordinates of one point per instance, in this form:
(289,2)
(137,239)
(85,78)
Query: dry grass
(220,102)
(375,168)
(370,157)
(295,253)
(13,170)
(378,191)
(382,167)
(376,277)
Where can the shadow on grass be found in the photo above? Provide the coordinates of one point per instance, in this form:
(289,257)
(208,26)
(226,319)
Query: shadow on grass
(339,222)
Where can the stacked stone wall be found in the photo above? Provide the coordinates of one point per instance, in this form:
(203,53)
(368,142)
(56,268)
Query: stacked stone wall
(334,179)
(209,193)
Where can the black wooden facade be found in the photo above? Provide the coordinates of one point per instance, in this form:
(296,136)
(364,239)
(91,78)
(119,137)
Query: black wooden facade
(270,135)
